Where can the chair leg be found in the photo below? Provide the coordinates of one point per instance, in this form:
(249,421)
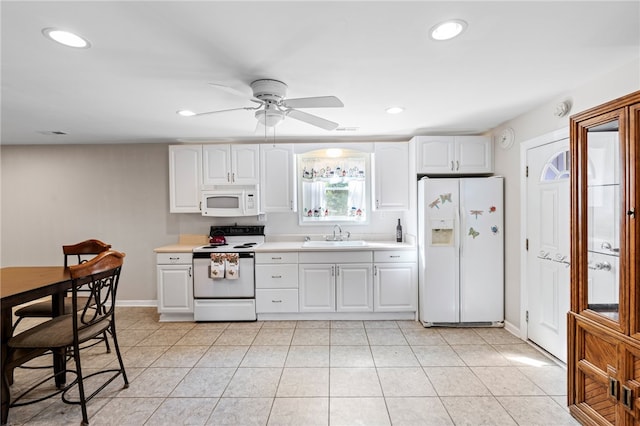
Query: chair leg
(106,342)
(81,395)
(5,395)
(115,345)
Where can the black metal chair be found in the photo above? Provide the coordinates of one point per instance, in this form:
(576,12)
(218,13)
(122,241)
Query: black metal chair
(88,320)
(79,252)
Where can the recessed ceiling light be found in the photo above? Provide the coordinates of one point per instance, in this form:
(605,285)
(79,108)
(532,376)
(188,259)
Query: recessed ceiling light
(185,113)
(395,110)
(67,38)
(448,29)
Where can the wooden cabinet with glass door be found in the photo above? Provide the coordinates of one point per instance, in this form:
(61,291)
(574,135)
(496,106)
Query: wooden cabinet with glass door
(604,322)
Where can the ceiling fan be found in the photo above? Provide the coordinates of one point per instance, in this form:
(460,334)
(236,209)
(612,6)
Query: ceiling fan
(273,107)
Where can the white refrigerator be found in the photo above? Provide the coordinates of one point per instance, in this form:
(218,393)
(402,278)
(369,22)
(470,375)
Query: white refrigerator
(461,244)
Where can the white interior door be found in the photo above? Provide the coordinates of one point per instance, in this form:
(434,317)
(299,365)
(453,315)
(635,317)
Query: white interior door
(547,258)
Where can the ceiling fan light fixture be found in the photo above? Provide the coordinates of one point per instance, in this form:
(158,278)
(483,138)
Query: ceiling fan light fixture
(185,113)
(66,38)
(269,117)
(448,29)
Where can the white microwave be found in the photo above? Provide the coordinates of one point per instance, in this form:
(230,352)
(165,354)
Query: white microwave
(230,202)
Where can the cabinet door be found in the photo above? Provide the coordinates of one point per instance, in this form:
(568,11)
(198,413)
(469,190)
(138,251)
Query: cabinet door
(391,177)
(473,154)
(394,287)
(598,216)
(354,289)
(216,164)
(175,289)
(435,154)
(634,228)
(277,182)
(245,164)
(185,178)
(598,373)
(630,387)
(317,287)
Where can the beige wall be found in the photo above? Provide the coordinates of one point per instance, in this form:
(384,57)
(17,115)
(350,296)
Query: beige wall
(55,195)
(535,123)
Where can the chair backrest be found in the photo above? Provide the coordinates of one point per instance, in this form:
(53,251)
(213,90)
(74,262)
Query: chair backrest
(99,276)
(88,247)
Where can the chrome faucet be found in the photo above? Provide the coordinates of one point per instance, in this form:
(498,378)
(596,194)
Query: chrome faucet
(334,232)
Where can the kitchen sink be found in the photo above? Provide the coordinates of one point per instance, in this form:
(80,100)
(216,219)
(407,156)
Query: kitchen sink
(330,243)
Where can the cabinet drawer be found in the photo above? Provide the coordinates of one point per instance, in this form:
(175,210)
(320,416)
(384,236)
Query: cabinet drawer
(284,257)
(174,258)
(395,256)
(338,256)
(268,300)
(277,276)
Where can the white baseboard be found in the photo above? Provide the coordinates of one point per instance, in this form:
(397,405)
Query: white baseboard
(137,303)
(513,330)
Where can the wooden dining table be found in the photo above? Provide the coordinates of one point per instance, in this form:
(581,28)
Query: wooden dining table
(22,284)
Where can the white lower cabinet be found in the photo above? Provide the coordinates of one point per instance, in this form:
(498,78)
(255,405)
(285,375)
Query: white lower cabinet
(327,286)
(175,286)
(276,282)
(354,292)
(395,275)
(317,292)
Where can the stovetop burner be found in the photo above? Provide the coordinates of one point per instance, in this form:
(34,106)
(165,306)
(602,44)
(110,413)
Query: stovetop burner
(239,238)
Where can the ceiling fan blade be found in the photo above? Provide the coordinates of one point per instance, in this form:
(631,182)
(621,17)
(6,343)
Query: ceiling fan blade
(312,119)
(232,90)
(316,102)
(222,110)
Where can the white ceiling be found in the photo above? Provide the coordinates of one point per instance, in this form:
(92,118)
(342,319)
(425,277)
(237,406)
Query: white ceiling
(149,59)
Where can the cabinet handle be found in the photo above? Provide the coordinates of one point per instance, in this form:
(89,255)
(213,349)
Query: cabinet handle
(333,271)
(375,271)
(291,205)
(377,204)
(632,213)
(233,177)
(393,256)
(457,165)
(613,388)
(451,165)
(276,276)
(276,301)
(228,177)
(189,270)
(276,258)
(174,258)
(337,271)
(627,397)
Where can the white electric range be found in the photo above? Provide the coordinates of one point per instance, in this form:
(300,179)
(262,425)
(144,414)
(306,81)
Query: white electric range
(223,298)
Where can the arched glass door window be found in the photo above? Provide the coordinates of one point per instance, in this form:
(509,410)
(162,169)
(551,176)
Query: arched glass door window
(557,167)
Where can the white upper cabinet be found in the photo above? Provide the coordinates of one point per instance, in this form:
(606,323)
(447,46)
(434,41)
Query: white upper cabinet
(391,184)
(185,178)
(277,178)
(454,155)
(230,164)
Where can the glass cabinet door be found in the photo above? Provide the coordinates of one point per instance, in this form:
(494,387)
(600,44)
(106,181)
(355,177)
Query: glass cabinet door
(632,218)
(601,178)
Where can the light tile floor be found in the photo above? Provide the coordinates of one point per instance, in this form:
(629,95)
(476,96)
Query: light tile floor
(314,373)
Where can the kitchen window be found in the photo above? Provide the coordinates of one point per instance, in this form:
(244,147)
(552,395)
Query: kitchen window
(334,186)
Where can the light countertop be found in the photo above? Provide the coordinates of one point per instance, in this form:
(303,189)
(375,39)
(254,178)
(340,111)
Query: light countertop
(186,245)
(297,246)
